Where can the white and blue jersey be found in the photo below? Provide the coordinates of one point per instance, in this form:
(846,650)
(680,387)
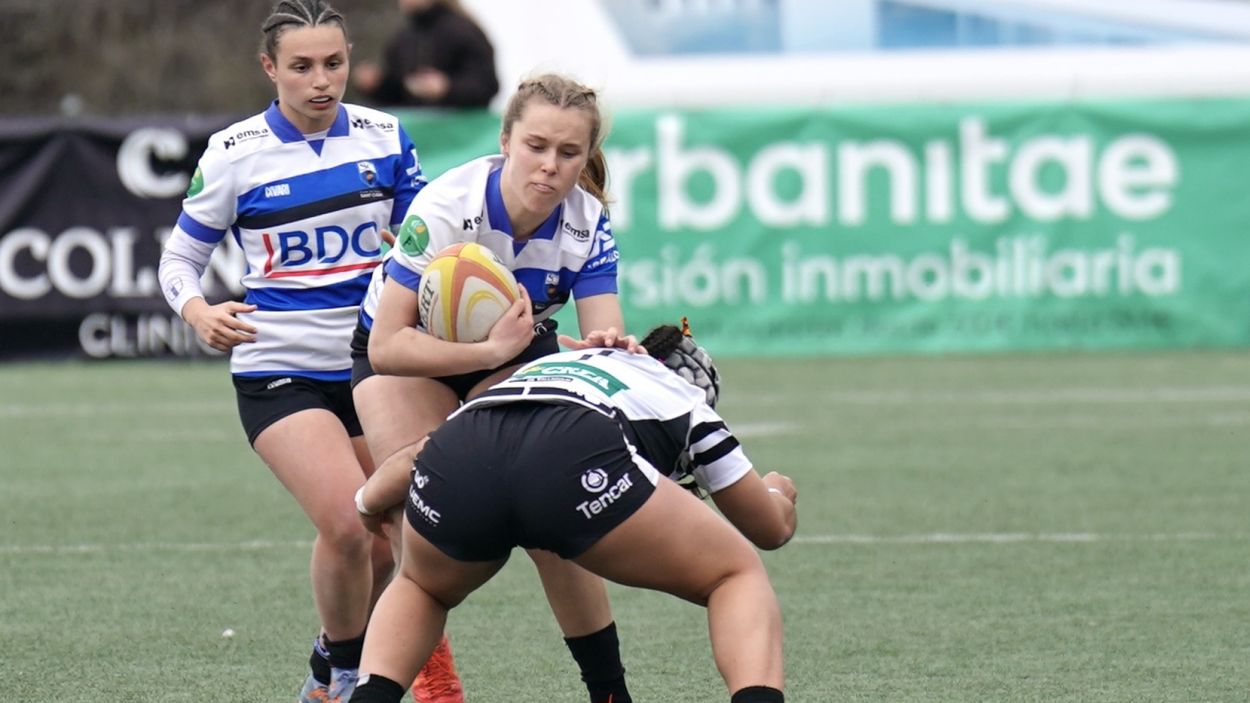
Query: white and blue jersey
(307,212)
(573,253)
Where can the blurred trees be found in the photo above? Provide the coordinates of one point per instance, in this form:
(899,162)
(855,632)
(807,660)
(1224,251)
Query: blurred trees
(114,57)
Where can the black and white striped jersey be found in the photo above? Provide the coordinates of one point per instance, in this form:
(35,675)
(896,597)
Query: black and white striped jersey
(667,419)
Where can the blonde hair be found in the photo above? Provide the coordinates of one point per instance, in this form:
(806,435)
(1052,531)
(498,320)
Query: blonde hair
(566,93)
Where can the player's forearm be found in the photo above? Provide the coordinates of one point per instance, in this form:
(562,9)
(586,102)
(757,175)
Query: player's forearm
(192,310)
(598,313)
(183,262)
(411,352)
(762,508)
(389,484)
(787,518)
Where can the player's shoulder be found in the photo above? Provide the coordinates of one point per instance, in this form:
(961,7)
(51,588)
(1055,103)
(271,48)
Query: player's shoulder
(443,211)
(614,360)
(585,228)
(370,122)
(643,363)
(585,231)
(240,139)
(582,208)
(461,189)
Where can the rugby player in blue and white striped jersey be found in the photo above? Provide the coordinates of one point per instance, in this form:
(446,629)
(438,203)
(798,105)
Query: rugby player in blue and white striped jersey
(305,188)
(540,206)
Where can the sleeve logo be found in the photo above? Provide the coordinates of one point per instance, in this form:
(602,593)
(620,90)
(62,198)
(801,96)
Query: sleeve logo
(608,258)
(414,236)
(197,183)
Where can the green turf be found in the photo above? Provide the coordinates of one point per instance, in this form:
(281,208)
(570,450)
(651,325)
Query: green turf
(997,528)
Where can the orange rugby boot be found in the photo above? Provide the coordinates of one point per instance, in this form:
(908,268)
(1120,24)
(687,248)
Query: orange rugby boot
(438,681)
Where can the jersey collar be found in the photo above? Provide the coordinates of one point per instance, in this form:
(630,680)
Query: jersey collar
(498,214)
(285,131)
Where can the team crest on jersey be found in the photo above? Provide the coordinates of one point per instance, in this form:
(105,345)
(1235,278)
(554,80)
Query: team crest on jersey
(368,172)
(414,236)
(553,284)
(197,183)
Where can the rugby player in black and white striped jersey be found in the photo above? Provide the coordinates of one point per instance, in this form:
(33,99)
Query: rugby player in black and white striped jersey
(570,454)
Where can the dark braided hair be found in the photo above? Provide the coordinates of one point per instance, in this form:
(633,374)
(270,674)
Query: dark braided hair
(288,14)
(662,341)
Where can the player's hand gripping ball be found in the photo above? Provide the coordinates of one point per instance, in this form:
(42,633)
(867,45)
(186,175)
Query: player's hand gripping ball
(464,291)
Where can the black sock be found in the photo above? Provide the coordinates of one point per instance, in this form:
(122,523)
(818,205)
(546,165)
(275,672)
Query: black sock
(598,655)
(319,662)
(758,694)
(373,688)
(345,654)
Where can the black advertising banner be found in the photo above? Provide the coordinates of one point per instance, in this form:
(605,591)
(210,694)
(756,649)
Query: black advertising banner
(84,207)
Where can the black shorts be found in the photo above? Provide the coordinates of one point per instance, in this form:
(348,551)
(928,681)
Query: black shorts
(263,400)
(544,343)
(546,476)
(361,368)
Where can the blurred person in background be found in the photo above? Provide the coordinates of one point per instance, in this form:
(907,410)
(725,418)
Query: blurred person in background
(306,188)
(440,58)
(540,206)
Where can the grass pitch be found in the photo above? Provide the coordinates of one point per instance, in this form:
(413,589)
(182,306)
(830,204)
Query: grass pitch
(990,528)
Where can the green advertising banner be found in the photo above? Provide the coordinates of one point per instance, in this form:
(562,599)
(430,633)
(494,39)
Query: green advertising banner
(925,228)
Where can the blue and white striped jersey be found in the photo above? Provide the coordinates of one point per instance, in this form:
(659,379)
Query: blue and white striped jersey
(307,213)
(572,253)
(668,419)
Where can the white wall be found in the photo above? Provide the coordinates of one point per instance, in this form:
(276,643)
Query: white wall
(577,37)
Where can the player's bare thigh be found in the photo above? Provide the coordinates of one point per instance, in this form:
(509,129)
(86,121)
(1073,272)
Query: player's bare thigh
(311,454)
(643,552)
(396,411)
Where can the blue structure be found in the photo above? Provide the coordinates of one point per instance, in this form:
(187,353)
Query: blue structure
(701,27)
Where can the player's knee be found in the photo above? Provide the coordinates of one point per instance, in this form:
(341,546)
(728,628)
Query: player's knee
(744,569)
(343,533)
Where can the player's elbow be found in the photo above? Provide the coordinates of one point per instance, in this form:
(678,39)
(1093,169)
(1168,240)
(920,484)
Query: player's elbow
(382,365)
(775,540)
(770,534)
(379,357)
(381,368)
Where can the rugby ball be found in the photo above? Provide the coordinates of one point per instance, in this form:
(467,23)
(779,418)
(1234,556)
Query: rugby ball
(464,291)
